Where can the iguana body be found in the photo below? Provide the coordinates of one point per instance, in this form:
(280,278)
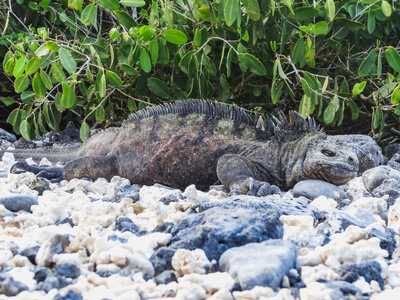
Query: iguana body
(196,142)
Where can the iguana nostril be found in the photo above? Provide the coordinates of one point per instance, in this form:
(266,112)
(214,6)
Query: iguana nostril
(350,159)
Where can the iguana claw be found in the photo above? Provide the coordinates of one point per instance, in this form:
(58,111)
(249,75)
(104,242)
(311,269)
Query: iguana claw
(260,188)
(54,174)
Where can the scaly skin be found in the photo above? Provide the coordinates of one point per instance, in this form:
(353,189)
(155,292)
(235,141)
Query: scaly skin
(201,142)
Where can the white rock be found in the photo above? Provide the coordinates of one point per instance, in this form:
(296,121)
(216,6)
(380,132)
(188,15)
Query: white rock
(310,274)
(210,282)
(187,262)
(255,293)
(195,197)
(316,291)
(324,204)
(375,205)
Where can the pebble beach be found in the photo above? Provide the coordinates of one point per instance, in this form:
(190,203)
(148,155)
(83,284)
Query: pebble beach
(83,239)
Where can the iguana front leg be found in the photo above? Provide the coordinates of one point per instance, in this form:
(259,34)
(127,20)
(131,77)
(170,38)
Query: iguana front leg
(91,167)
(239,174)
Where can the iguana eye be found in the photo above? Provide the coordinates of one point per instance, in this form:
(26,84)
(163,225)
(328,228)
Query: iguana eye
(328,153)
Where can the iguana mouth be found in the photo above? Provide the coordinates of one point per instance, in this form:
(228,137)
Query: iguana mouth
(339,173)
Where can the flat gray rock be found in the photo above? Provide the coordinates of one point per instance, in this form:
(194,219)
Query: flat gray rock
(16,203)
(260,264)
(313,188)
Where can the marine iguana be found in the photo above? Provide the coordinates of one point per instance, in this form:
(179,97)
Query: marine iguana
(201,142)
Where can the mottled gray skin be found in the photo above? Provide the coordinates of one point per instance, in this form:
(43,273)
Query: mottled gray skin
(191,145)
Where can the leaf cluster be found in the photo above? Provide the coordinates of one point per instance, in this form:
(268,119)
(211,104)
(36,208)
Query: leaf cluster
(96,61)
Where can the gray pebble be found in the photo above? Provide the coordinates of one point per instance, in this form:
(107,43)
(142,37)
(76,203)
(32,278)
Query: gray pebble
(4,135)
(9,286)
(260,264)
(16,203)
(68,270)
(313,188)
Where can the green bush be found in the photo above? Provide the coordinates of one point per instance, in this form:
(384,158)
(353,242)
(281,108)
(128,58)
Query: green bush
(97,61)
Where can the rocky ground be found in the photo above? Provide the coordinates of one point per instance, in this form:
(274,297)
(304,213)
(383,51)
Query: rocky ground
(114,240)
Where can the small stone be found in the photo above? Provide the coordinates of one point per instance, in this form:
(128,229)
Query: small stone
(161,259)
(31,253)
(9,286)
(4,135)
(16,203)
(124,224)
(70,295)
(370,270)
(54,245)
(313,188)
(217,229)
(165,277)
(260,264)
(68,270)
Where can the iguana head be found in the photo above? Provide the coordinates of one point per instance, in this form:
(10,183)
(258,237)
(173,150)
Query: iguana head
(330,160)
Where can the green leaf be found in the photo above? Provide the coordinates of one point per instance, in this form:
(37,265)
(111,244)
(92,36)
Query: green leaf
(358,88)
(153,49)
(329,114)
(298,51)
(133,3)
(89,13)
(379,65)
(128,69)
(305,13)
(42,51)
(100,114)
(67,61)
(38,86)
(158,87)
(113,79)
(368,64)
(280,71)
(276,91)
(312,82)
(58,72)
(27,97)
(253,64)
(7,101)
(132,105)
(378,117)
(113,34)
(306,87)
(32,66)
(110,4)
(102,85)
(46,80)
(252,9)
(306,106)
(371,23)
(68,99)
(75,4)
(101,51)
(393,58)
(125,19)
(197,38)
(14,118)
(231,11)
(19,67)
(386,8)
(175,36)
(320,28)
(84,131)
(21,83)
(397,110)
(330,9)
(52,46)
(395,95)
(145,62)
(26,130)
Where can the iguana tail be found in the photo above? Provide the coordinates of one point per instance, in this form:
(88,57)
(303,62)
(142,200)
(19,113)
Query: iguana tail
(54,155)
